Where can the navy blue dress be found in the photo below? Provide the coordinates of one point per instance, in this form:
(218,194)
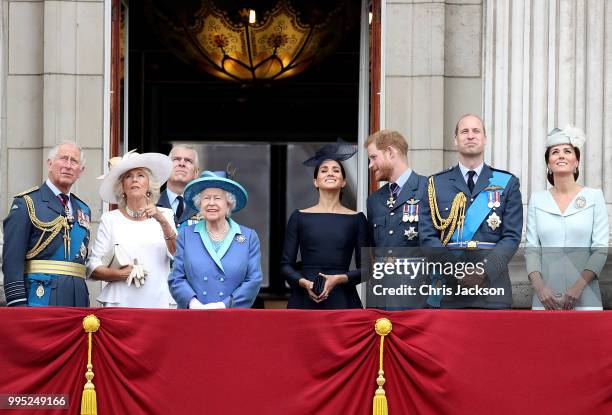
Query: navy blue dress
(326,242)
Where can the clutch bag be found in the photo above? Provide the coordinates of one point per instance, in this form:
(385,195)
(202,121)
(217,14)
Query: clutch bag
(117,257)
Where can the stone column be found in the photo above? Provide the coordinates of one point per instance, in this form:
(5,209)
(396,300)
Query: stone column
(54,65)
(432,74)
(547,64)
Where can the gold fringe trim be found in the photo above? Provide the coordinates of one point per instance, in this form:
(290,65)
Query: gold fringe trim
(89,406)
(382,327)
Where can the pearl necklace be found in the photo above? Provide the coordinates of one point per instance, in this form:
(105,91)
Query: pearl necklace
(218,236)
(136,215)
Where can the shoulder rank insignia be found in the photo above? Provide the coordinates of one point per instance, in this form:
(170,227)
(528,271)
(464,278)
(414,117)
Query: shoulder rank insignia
(25,192)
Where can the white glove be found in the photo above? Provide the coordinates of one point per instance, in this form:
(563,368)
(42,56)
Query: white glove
(137,275)
(195,304)
(214,306)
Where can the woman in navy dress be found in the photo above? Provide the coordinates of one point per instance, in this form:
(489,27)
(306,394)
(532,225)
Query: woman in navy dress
(326,234)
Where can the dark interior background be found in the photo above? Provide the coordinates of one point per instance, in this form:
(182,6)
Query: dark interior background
(170,101)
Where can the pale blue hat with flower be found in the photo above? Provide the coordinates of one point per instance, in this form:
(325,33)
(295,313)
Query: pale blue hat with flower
(569,135)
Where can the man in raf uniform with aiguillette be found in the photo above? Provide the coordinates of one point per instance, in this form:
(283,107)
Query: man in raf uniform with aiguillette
(394,210)
(476,212)
(46,236)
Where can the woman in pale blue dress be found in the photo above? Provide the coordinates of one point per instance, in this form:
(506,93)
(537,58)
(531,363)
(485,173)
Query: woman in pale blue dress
(567,232)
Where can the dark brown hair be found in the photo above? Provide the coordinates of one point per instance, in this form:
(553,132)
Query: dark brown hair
(549,174)
(316,173)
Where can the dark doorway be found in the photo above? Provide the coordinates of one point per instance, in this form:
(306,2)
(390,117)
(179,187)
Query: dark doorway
(173,101)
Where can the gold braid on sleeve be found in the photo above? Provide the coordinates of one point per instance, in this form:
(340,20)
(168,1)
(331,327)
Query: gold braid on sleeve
(456,217)
(55,226)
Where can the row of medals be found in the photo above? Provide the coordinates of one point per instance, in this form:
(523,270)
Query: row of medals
(410,214)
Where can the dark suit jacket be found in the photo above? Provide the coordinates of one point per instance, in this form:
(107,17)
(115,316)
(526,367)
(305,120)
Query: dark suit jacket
(188,212)
(507,236)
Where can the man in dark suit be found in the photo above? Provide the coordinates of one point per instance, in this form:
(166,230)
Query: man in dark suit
(395,210)
(46,237)
(185,168)
(476,213)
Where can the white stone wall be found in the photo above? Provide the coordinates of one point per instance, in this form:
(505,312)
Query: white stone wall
(53,53)
(432,67)
(547,64)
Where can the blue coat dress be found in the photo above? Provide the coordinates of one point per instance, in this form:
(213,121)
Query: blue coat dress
(232,275)
(560,245)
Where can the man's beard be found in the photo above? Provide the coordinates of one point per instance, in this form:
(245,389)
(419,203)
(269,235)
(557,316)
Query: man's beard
(384,172)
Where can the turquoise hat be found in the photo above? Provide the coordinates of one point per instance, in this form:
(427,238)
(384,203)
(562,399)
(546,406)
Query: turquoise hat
(215,180)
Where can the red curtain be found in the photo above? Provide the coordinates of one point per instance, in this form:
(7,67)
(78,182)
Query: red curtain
(312,362)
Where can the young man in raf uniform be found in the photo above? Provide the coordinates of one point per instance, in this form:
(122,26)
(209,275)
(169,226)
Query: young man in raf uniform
(476,213)
(395,210)
(46,238)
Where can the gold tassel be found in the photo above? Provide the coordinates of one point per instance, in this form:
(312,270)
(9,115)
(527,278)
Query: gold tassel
(91,324)
(382,327)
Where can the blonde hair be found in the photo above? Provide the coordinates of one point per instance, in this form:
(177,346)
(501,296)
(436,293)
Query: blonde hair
(153,189)
(389,138)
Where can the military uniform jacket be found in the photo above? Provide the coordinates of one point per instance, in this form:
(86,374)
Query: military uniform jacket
(20,236)
(507,235)
(386,225)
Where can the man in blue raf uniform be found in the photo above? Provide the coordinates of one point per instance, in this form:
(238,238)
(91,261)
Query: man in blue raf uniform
(185,168)
(476,212)
(395,210)
(46,236)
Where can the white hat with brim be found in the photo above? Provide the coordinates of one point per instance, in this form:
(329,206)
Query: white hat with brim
(569,135)
(159,164)
(216,180)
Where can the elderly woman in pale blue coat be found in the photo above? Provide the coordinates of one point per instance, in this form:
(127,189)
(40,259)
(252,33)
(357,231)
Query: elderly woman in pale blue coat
(567,231)
(217,262)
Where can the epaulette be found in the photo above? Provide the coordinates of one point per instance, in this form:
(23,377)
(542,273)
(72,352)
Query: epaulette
(444,171)
(25,192)
(78,198)
(501,171)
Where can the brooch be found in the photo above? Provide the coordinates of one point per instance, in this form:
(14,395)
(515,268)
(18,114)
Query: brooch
(240,239)
(410,233)
(494,221)
(580,202)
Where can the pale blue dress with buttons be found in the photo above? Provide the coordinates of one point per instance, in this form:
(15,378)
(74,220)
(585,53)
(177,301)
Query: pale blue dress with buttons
(561,245)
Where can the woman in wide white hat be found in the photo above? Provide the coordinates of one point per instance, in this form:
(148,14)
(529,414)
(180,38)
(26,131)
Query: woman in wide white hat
(218,261)
(135,243)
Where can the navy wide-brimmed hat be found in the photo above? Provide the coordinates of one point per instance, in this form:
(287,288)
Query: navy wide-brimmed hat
(339,151)
(215,180)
